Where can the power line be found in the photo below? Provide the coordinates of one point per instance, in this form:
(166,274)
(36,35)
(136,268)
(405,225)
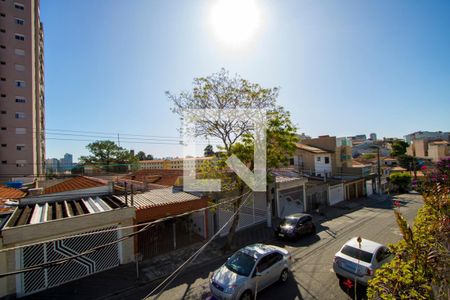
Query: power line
(193,257)
(121,228)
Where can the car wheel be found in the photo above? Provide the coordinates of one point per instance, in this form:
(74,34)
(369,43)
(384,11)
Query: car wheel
(247,295)
(284,275)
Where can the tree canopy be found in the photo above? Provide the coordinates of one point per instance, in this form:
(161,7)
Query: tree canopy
(108,156)
(220,91)
(399,148)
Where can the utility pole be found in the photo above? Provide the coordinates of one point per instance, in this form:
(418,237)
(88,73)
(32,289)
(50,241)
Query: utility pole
(379,170)
(414,157)
(118,140)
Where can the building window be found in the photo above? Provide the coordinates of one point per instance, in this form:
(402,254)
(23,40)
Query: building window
(19,6)
(3,112)
(3,128)
(3,46)
(21,163)
(3,62)
(3,95)
(3,15)
(3,79)
(318,158)
(4,162)
(20,115)
(20,37)
(327,160)
(20,83)
(19,52)
(20,100)
(4,145)
(19,21)
(2,30)
(20,130)
(19,147)
(19,67)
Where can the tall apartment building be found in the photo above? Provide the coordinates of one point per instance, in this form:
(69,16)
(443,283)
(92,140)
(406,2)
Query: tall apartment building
(22,151)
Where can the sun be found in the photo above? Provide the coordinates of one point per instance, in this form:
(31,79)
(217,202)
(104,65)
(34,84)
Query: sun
(234,22)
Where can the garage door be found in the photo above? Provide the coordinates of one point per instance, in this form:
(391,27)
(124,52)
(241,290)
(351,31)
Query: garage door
(336,194)
(41,279)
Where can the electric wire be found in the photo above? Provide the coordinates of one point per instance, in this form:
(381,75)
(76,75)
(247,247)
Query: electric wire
(166,282)
(86,252)
(122,228)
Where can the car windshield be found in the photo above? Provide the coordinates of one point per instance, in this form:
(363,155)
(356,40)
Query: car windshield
(288,222)
(357,253)
(240,263)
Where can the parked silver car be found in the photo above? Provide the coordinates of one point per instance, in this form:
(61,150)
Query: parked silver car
(359,262)
(250,270)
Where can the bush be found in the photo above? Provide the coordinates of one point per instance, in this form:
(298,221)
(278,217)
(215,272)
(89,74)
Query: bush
(402,181)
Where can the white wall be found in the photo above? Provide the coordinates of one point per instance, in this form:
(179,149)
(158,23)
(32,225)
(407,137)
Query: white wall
(320,166)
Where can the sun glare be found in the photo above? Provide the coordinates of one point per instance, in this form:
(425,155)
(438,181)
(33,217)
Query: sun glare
(234,22)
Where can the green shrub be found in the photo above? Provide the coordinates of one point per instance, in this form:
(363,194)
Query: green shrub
(402,181)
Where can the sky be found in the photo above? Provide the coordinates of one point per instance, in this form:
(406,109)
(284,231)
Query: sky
(343,67)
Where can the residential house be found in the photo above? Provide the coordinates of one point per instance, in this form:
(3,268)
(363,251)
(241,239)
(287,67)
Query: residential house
(173,233)
(312,160)
(174,164)
(58,226)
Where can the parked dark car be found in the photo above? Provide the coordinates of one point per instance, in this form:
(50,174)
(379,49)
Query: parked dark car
(294,226)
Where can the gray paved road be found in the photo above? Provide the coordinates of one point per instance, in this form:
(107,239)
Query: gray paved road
(312,276)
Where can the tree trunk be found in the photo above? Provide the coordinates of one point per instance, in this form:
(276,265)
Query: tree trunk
(235,222)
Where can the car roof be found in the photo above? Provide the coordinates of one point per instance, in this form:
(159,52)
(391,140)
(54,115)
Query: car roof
(366,245)
(297,216)
(257,250)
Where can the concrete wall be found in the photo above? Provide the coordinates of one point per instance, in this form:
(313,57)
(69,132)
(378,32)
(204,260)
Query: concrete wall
(438,151)
(335,194)
(320,167)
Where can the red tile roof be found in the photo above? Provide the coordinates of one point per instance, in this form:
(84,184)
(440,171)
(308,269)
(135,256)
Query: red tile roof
(161,177)
(76,183)
(10,193)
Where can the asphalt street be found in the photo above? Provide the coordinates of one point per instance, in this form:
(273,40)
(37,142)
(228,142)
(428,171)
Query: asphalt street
(312,276)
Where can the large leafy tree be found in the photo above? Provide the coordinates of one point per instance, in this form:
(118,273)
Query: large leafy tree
(399,148)
(236,135)
(108,156)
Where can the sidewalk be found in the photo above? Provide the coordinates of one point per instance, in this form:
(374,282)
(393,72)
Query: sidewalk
(118,280)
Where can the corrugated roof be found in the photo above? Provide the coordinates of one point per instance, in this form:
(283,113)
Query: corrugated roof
(311,149)
(48,211)
(10,193)
(76,183)
(159,197)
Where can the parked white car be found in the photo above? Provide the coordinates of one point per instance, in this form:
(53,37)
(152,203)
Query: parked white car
(250,269)
(359,262)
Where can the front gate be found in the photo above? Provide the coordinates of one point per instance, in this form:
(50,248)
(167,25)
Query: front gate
(41,279)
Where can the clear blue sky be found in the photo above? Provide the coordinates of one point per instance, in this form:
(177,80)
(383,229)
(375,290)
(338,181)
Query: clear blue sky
(344,67)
